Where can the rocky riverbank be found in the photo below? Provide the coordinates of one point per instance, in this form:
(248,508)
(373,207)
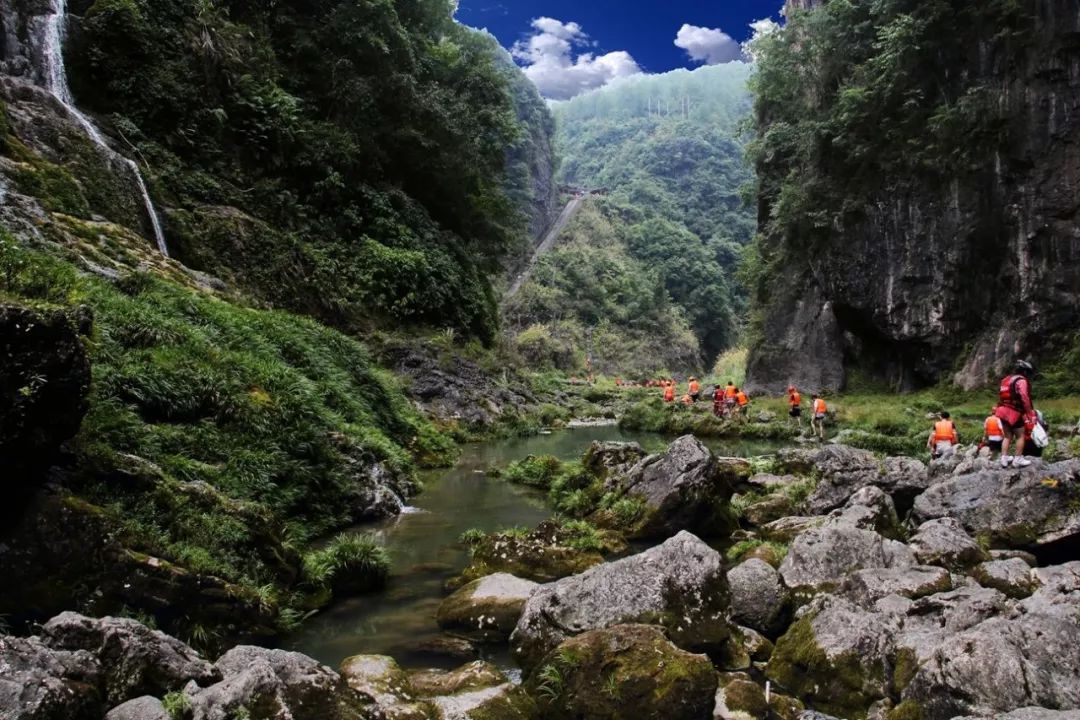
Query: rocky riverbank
(882,588)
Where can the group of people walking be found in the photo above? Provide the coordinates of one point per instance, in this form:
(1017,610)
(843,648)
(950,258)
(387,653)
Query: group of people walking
(1013,424)
(727,401)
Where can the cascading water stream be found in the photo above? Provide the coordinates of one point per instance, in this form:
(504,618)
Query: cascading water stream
(55,79)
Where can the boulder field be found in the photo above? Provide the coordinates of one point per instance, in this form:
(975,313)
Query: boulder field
(965,605)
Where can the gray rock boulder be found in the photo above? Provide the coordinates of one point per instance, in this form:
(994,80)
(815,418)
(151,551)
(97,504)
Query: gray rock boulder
(843,470)
(134,659)
(768,509)
(868,509)
(1013,576)
(604,459)
(787,529)
(680,585)
(276,683)
(40,683)
(684,488)
(759,599)
(866,587)
(380,678)
(927,622)
(904,478)
(822,558)
(1058,593)
(944,542)
(488,609)
(1030,713)
(140,708)
(1012,508)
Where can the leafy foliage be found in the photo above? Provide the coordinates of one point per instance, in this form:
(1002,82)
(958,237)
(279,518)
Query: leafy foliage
(360,144)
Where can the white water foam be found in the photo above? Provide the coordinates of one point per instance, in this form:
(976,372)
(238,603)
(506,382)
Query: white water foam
(55,78)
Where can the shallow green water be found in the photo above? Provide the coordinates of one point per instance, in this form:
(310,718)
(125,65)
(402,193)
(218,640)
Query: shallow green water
(423,544)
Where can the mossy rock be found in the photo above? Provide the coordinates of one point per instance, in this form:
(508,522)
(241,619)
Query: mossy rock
(599,674)
(540,556)
(741,699)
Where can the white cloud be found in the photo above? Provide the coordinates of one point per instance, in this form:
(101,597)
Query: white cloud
(548,57)
(761,28)
(711,46)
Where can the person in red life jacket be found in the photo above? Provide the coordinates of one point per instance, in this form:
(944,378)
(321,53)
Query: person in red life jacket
(1016,412)
(718,401)
(694,389)
(795,405)
(993,433)
(943,438)
(669,392)
(821,411)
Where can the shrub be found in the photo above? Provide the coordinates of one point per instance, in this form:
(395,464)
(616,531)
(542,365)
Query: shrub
(538,471)
(352,563)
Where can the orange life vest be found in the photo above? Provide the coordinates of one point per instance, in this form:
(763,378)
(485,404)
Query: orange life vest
(743,400)
(687,400)
(795,399)
(819,407)
(695,388)
(669,393)
(944,431)
(994,428)
(730,391)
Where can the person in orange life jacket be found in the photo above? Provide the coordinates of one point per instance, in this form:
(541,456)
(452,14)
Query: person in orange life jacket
(1030,448)
(695,389)
(943,438)
(1016,412)
(687,400)
(743,402)
(729,396)
(669,392)
(817,423)
(795,403)
(993,433)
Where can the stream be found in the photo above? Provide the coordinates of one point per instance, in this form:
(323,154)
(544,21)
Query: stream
(424,548)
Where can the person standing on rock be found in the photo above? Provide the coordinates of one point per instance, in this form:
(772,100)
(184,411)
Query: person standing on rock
(695,389)
(1016,412)
(795,405)
(943,438)
(993,433)
(821,410)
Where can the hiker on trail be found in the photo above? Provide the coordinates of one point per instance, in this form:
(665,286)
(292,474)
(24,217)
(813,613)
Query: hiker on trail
(718,401)
(695,389)
(795,405)
(669,392)
(993,433)
(729,396)
(943,438)
(1016,412)
(1032,449)
(821,410)
(743,402)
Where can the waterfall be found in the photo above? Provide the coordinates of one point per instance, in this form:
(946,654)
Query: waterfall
(55,82)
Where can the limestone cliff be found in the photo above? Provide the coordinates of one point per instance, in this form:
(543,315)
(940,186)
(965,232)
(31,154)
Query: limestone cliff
(947,276)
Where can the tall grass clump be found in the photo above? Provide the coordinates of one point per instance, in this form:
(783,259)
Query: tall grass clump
(351,563)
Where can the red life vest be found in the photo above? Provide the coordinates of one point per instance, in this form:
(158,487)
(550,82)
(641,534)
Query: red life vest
(1009,394)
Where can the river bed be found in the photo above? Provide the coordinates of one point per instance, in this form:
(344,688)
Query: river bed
(425,551)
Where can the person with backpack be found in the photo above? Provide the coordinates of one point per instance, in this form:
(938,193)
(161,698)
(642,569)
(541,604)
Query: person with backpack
(1016,412)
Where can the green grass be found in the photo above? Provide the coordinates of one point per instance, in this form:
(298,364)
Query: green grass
(356,562)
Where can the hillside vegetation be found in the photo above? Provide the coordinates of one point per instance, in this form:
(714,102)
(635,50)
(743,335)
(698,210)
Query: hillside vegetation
(667,148)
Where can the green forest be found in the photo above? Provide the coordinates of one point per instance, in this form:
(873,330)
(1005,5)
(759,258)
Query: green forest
(651,267)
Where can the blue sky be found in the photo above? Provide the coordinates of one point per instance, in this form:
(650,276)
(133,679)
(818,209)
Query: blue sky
(598,40)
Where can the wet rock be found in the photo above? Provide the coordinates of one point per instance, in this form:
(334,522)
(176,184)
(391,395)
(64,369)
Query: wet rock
(542,555)
(276,683)
(40,683)
(605,672)
(488,609)
(1013,577)
(474,676)
(141,708)
(44,384)
(1000,665)
(822,558)
(868,509)
(442,648)
(836,657)
(502,702)
(943,542)
(866,587)
(843,470)
(684,488)
(1012,508)
(787,529)
(380,678)
(680,585)
(135,660)
(759,599)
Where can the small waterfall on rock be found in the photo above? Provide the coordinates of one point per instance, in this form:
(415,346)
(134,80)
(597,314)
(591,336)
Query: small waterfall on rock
(55,81)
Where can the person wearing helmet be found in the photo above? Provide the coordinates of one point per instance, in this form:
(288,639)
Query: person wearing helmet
(1016,412)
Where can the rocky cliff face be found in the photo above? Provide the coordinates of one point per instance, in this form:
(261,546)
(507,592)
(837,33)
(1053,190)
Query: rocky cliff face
(980,266)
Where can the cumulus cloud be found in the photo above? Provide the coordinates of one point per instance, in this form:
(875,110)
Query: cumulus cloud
(548,56)
(711,46)
(761,28)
